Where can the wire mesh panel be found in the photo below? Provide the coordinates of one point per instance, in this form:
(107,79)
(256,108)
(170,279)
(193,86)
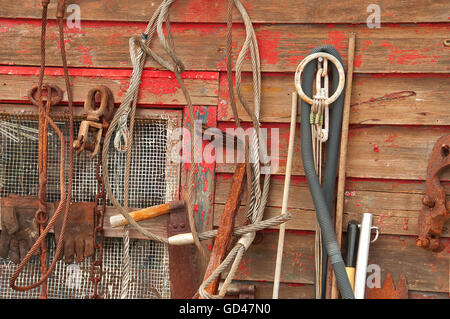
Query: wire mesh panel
(152,182)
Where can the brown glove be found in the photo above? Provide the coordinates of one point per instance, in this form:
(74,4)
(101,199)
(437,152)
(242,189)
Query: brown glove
(19,228)
(79,233)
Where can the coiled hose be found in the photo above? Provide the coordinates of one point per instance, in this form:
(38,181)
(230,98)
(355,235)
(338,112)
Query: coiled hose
(323,195)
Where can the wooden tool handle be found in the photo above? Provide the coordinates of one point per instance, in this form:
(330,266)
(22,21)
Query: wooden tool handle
(147,213)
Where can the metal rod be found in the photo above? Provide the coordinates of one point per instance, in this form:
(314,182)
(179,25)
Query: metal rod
(287,181)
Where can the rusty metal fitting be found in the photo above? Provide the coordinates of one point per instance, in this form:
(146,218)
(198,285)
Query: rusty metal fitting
(242,291)
(41,217)
(61,9)
(83,142)
(96,120)
(434,213)
(104,94)
(54,92)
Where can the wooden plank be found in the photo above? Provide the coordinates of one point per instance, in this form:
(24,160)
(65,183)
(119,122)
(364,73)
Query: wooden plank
(302,219)
(260,11)
(427,295)
(263,290)
(394,211)
(416,99)
(258,262)
(60,112)
(389,152)
(158,225)
(157,87)
(393,48)
(395,254)
(425,271)
(205,183)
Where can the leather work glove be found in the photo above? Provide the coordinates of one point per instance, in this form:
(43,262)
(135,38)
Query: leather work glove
(79,232)
(19,228)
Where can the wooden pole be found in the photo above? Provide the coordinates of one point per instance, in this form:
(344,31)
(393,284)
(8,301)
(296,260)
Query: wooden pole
(343,154)
(287,181)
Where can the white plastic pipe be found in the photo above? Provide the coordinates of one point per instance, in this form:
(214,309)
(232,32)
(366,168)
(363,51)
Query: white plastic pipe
(363,256)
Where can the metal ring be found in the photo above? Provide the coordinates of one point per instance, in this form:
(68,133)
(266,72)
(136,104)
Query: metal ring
(41,217)
(54,99)
(305,61)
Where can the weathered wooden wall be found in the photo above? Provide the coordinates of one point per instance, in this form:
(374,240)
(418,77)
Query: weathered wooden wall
(399,108)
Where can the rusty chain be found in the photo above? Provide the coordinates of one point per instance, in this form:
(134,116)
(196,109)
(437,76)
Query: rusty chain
(99,215)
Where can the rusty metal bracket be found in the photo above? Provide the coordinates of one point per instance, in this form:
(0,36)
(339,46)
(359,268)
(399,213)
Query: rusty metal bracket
(241,291)
(389,291)
(182,259)
(96,120)
(435,209)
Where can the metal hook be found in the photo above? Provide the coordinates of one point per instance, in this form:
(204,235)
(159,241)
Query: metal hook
(377,233)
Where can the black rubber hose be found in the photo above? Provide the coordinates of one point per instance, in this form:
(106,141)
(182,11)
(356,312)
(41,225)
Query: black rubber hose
(323,195)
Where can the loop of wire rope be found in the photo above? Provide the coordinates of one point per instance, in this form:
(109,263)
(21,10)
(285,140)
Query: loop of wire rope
(139,51)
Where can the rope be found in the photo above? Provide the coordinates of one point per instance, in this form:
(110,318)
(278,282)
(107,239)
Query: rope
(65,202)
(259,198)
(251,228)
(139,51)
(125,280)
(119,120)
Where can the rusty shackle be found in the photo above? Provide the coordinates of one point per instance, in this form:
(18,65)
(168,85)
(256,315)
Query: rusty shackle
(106,104)
(96,120)
(435,210)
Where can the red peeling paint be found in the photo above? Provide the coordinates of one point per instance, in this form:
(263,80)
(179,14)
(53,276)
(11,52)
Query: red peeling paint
(86,55)
(243,270)
(358,60)
(337,39)
(366,44)
(375,148)
(269,47)
(411,57)
(160,86)
(391,138)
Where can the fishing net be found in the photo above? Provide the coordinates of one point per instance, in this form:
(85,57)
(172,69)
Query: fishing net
(152,181)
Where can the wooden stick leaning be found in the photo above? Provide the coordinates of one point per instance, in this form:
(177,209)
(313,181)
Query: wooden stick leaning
(287,181)
(343,155)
